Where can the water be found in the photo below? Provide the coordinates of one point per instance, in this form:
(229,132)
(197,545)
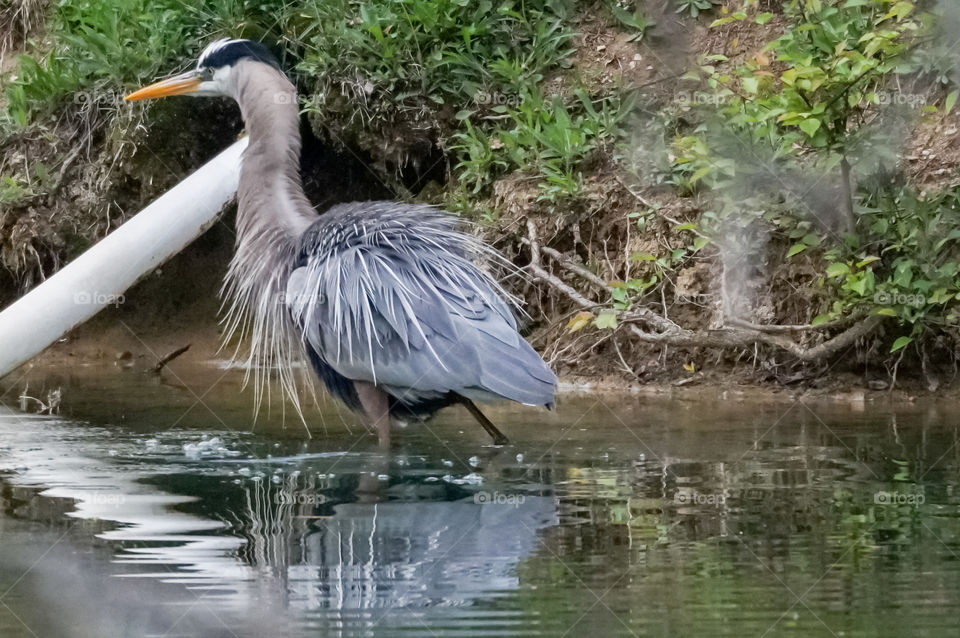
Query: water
(150,509)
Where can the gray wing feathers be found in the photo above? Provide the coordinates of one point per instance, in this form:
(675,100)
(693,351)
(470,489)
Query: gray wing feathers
(418,325)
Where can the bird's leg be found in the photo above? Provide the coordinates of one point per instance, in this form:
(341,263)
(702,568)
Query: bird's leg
(376,410)
(499,438)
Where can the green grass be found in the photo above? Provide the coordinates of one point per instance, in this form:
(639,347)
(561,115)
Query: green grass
(105,48)
(456,72)
(405,54)
(545,137)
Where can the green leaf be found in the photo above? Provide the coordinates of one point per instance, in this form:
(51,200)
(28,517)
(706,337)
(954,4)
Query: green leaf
(751,85)
(606,320)
(819,320)
(763,18)
(863,284)
(954,234)
(885,312)
(796,249)
(901,343)
(951,102)
(838,270)
(810,126)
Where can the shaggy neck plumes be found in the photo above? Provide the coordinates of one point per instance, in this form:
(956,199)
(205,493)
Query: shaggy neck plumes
(272,214)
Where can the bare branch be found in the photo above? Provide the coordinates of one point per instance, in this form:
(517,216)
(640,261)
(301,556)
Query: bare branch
(660,330)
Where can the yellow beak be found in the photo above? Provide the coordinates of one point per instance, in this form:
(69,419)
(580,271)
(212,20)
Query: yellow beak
(181,84)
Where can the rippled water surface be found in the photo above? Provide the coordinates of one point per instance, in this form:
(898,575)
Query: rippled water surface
(156,507)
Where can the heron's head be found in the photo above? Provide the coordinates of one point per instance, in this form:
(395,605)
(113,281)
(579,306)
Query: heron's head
(215,74)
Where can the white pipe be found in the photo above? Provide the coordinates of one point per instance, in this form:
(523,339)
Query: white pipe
(100,276)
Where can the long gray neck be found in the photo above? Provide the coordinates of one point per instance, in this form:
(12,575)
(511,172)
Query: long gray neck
(271,199)
(272,215)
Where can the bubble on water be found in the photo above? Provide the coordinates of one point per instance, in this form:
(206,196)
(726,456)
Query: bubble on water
(474,461)
(472,479)
(207,447)
(520,458)
(383,477)
(447,463)
(245,471)
(431,479)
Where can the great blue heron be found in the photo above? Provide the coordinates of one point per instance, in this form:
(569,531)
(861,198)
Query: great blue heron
(382,297)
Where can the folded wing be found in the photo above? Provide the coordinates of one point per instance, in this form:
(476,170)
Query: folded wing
(419,321)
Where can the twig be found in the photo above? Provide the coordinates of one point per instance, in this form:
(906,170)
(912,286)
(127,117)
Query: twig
(545,276)
(640,198)
(574,267)
(170,357)
(623,361)
(740,323)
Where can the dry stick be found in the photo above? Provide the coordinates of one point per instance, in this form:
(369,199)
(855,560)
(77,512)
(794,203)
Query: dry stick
(170,357)
(740,323)
(574,267)
(545,276)
(623,362)
(669,333)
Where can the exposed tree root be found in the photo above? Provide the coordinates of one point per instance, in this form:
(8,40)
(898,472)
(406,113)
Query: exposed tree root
(651,327)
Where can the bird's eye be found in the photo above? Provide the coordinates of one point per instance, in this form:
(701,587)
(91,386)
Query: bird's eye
(206,73)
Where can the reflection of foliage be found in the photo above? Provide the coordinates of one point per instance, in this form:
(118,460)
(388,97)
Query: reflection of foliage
(807,517)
